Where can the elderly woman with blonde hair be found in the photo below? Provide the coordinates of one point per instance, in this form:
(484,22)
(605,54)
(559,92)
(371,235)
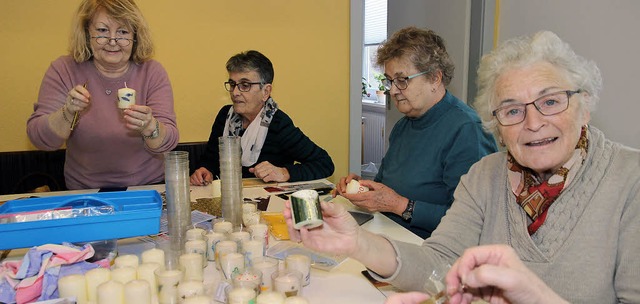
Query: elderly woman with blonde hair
(562,197)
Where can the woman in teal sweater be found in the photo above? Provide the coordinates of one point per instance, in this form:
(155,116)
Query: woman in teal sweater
(436,142)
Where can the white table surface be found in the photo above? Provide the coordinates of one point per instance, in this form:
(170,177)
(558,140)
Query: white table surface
(342,284)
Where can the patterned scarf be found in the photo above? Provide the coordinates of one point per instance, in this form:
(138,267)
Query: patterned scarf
(254,136)
(535,196)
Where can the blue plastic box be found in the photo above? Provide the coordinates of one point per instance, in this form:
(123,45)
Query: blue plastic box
(135,213)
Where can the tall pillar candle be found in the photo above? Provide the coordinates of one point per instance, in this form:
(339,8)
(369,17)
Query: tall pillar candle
(231,178)
(95,277)
(176,175)
(73,285)
(137,292)
(111,292)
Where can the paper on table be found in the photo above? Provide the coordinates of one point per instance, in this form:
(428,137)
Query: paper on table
(318,260)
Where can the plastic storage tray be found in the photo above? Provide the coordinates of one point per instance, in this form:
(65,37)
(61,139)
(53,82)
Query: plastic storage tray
(135,213)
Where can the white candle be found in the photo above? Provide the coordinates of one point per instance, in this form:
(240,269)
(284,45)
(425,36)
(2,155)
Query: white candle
(242,295)
(239,237)
(260,232)
(217,188)
(197,300)
(252,249)
(127,260)
(212,241)
(354,187)
(267,265)
(73,285)
(289,282)
(224,248)
(195,234)
(168,281)
(251,218)
(249,207)
(270,297)
(250,277)
(302,263)
(153,255)
(111,292)
(93,278)
(192,266)
(126,97)
(296,300)
(124,274)
(146,272)
(188,289)
(230,263)
(223,227)
(137,292)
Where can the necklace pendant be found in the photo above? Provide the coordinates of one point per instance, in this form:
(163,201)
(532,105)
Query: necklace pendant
(107,91)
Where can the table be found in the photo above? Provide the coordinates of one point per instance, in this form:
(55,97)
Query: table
(343,284)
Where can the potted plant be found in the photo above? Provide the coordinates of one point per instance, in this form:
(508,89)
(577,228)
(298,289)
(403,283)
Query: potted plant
(381,90)
(365,85)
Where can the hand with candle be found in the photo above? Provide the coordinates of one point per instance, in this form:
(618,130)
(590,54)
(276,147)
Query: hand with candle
(378,197)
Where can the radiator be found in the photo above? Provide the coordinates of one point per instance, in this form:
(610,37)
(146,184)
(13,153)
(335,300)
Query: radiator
(372,136)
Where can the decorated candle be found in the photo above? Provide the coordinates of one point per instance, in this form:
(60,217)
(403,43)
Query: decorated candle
(111,292)
(153,255)
(212,241)
(239,237)
(192,265)
(302,263)
(127,260)
(250,277)
(188,289)
(137,291)
(199,247)
(124,274)
(354,187)
(230,263)
(223,248)
(260,232)
(93,278)
(267,265)
(126,97)
(73,285)
(252,249)
(168,281)
(288,282)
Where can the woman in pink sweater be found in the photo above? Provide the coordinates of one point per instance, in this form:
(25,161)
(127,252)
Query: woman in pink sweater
(110,49)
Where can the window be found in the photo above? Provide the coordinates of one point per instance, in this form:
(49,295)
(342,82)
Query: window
(375,31)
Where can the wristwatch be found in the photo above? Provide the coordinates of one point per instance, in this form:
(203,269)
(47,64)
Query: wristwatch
(155,133)
(407,214)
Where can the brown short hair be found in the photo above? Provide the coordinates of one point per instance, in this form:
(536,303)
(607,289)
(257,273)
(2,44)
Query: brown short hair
(124,11)
(424,48)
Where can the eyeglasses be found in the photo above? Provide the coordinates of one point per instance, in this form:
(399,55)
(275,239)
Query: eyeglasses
(102,40)
(400,82)
(547,105)
(243,86)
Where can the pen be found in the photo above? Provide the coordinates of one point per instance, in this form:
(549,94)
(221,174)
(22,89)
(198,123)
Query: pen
(75,115)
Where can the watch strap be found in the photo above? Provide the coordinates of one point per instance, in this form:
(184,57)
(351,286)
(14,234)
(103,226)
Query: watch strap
(155,133)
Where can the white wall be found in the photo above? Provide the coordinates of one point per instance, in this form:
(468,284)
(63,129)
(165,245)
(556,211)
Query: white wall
(603,31)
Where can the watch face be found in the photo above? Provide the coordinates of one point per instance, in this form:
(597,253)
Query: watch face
(406,216)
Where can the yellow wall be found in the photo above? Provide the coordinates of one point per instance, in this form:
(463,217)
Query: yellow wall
(307,41)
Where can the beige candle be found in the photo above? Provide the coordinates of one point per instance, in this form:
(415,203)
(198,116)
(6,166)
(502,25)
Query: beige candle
(252,249)
(153,255)
(223,227)
(192,266)
(212,241)
(168,281)
(250,218)
(288,282)
(197,300)
(250,277)
(93,278)
(239,237)
(249,207)
(296,300)
(146,272)
(260,232)
(224,248)
(216,185)
(73,285)
(230,263)
(195,234)
(199,247)
(137,292)
(126,97)
(270,297)
(267,265)
(124,274)
(111,292)
(188,289)
(127,260)
(241,295)
(302,263)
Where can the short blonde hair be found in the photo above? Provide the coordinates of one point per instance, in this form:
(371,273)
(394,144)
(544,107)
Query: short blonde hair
(123,11)
(523,51)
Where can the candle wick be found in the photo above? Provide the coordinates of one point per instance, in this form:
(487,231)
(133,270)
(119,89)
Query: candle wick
(125,85)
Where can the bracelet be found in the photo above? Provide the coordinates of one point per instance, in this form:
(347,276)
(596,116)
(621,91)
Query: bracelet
(64,114)
(155,133)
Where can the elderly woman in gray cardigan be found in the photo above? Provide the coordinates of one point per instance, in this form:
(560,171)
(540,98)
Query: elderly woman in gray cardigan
(562,196)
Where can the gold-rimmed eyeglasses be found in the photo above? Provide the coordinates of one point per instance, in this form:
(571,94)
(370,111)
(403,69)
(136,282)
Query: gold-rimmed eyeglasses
(243,86)
(121,41)
(547,105)
(400,82)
